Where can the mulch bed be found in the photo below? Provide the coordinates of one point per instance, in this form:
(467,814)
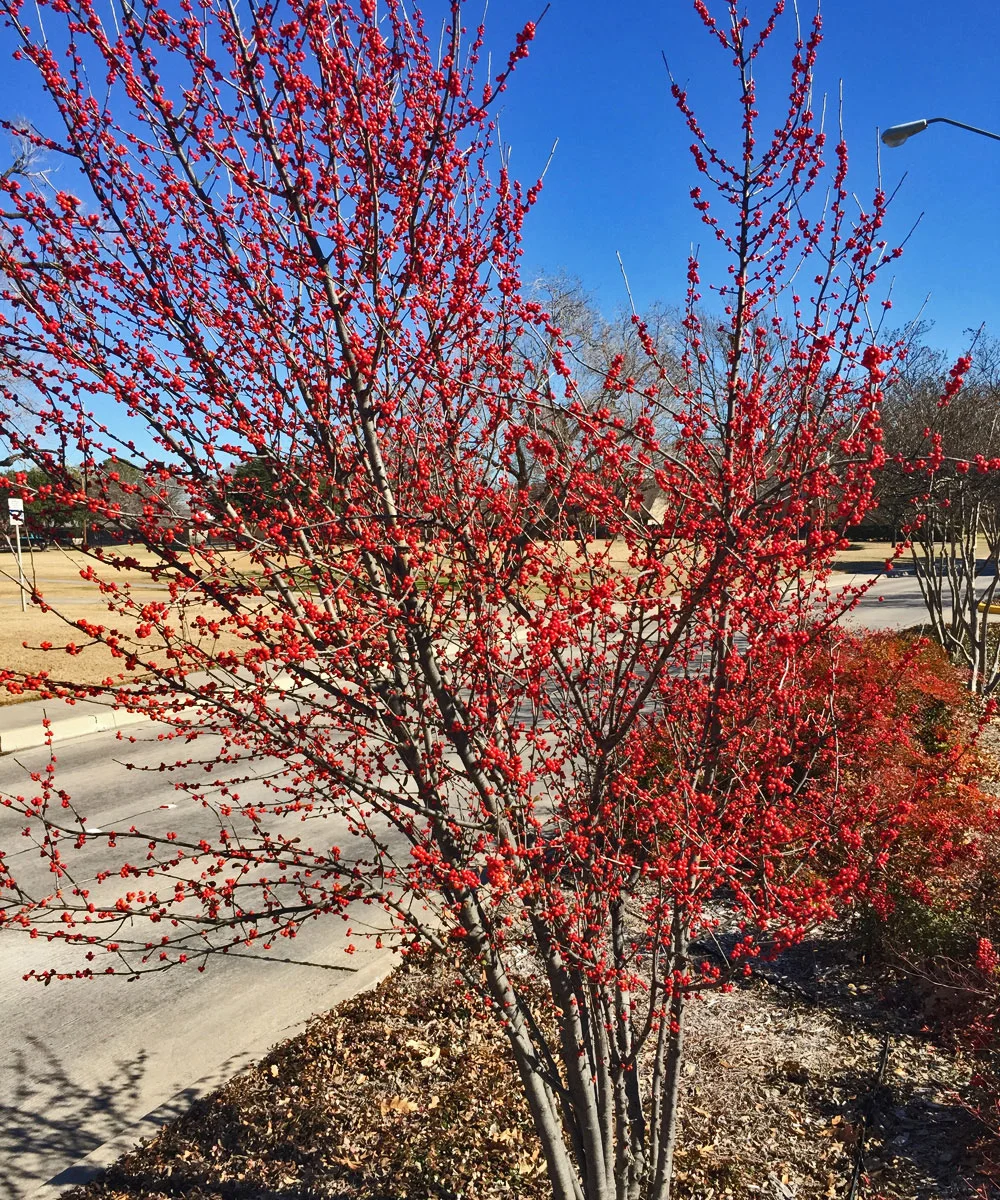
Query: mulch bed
(406,1093)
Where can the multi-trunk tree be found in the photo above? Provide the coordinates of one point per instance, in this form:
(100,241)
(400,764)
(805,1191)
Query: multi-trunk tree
(286,251)
(940,490)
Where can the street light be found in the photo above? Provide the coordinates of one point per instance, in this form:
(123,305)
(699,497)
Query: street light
(896,135)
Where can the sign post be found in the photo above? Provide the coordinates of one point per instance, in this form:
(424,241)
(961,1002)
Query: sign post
(15,517)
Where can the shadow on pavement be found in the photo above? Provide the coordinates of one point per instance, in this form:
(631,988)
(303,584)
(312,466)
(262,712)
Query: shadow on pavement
(46,1115)
(985,568)
(48,1119)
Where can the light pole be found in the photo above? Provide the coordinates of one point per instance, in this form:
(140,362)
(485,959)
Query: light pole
(896,135)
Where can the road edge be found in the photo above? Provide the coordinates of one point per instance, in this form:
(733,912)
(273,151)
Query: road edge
(84,1170)
(36,733)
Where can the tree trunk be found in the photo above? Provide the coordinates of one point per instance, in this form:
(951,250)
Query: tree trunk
(666,1083)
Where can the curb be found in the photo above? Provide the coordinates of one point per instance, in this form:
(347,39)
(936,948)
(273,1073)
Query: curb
(86,1169)
(100,719)
(29,737)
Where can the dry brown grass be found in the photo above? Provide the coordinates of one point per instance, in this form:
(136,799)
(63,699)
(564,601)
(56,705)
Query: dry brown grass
(55,574)
(866,551)
(879,551)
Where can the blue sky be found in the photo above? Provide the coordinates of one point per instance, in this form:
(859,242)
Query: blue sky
(621,174)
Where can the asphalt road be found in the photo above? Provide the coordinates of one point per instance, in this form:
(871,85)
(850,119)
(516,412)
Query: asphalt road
(890,602)
(82,1061)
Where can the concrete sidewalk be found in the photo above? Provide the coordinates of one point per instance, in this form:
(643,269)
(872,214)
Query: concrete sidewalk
(22,727)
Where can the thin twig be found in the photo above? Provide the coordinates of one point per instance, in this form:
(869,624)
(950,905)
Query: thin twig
(866,1117)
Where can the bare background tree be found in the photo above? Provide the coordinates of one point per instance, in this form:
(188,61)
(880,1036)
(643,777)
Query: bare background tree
(583,361)
(939,491)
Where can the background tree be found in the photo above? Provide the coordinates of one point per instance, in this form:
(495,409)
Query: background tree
(939,489)
(298,244)
(579,358)
(46,518)
(130,503)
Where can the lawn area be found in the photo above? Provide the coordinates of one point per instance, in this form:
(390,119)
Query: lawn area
(871,555)
(56,574)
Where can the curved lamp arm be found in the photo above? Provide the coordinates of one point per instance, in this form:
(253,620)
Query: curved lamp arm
(896,135)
